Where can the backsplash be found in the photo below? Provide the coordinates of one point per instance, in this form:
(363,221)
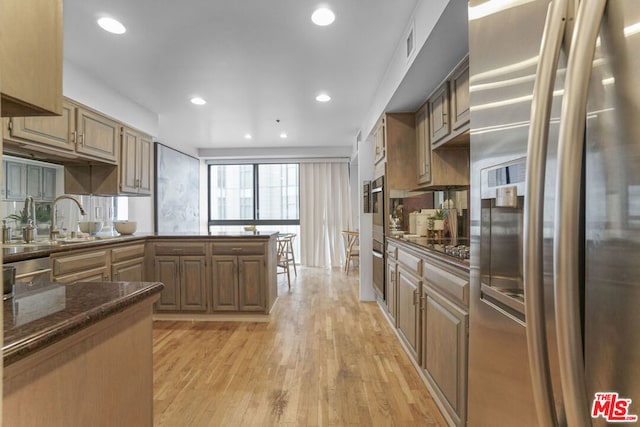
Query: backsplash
(97,208)
(446,200)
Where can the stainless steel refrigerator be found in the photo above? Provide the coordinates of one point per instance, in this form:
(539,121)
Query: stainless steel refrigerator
(555,202)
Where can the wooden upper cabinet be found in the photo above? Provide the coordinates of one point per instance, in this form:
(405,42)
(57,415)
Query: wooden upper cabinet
(400,136)
(379,142)
(55,132)
(97,135)
(460,95)
(439,121)
(135,162)
(78,133)
(31,52)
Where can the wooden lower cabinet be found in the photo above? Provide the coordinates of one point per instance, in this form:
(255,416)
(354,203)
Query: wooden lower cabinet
(184,279)
(79,266)
(391,290)
(432,319)
(408,314)
(444,351)
(238,283)
(127,263)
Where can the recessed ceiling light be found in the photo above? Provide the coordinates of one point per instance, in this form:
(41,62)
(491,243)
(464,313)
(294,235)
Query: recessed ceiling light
(198,101)
(323,97)
(247,136)
(111,25)
(283,135)
(323,16)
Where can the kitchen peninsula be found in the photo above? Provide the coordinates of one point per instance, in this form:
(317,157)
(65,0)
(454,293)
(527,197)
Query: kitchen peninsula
(85,334)
(86,342)
(205,275)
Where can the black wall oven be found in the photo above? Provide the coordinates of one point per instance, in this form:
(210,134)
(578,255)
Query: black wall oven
(377,209)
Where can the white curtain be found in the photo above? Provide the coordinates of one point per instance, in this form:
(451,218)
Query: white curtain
(325,210)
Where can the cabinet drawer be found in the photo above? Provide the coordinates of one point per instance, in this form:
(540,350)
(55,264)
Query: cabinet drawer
(237,248)
(127,252)
(80,262)
(450,284)
(410,261)
(180,248)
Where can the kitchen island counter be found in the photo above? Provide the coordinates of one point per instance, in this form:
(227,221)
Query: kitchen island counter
(41,314)
(74,354)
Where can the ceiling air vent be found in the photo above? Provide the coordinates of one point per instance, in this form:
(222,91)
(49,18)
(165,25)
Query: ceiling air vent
(409,42)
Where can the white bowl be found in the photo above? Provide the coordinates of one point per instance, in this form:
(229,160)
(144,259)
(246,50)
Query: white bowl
(91,227)
(126,227)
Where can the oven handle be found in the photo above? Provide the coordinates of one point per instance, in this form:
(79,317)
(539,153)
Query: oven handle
(377,254)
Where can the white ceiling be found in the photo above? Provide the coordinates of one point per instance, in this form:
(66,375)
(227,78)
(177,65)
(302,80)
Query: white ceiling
(255,61)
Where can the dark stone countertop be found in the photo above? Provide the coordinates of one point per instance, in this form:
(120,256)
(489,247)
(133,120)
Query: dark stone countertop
(41,314)
(433,249)
(20,252)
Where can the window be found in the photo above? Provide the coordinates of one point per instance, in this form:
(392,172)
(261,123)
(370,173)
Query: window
(254,194)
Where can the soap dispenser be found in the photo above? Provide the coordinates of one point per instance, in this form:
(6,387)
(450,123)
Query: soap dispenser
(28,232)
(6,232)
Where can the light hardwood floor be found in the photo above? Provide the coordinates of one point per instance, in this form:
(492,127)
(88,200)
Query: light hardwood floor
(324,359)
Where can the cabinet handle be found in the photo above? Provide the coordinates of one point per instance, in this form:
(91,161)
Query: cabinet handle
(444,118)
(236,249)
(415,297)
(81,138)
(73,136)
(422,303)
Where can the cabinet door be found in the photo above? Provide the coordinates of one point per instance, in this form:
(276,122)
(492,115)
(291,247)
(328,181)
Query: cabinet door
(439,121)
(167,271)
(16,180)
(423,145)
(128,271)
(251,274)
(56,132)
(128,161)
(391,290)
(224,282)
(408,314)
(31,66)
(192,283)
(145,155)
(460,96)
(98,136)
(444,358)
(34,181)
(379,142)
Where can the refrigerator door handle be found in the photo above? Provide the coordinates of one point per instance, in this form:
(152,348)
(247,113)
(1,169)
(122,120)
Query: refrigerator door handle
(552,39)
(566,258)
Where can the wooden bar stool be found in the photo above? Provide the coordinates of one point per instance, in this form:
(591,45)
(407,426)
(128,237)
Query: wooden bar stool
(352,247)
(283,242)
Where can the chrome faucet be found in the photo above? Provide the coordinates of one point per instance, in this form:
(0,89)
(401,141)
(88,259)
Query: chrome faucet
(53,231)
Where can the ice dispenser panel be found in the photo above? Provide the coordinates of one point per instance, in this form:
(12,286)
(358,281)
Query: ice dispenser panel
(501,230)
